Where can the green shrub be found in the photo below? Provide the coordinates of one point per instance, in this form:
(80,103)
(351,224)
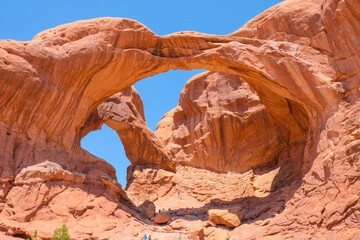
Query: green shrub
(61,233)
(143,212)
(35,237)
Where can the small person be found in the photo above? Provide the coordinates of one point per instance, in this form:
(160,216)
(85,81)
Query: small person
(195,214)
(145,237)
(163,210)
(178,195)
(149,237)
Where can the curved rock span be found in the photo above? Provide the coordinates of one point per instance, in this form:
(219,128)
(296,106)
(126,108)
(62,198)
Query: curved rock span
(270,134)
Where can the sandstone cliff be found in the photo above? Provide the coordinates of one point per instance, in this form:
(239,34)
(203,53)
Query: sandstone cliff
(302,58)
(220,125)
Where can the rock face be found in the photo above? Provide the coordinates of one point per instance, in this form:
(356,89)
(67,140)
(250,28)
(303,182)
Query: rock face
(220,124)
(148,183)
(302,58)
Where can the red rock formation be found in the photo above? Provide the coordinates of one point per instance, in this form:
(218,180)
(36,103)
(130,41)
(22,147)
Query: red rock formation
(162,218)
(217,112)
(224,217)
(197,231)
(124,112)
(220,125)
(301,57)
(148,208)
(217,234)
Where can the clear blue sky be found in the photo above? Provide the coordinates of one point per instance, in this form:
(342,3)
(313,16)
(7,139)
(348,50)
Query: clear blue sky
(21,20)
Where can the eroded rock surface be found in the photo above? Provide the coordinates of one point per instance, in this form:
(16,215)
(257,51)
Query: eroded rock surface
(224,217)
(302,59)
(148,208)
(124,112)
(220,124)
(162,218)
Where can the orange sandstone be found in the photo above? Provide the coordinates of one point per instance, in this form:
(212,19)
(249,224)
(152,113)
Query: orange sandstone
(301,59)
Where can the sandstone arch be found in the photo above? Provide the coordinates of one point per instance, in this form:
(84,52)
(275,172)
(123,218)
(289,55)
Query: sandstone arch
(305,72)
(107,61)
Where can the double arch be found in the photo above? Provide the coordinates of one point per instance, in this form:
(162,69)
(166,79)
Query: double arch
(84,63)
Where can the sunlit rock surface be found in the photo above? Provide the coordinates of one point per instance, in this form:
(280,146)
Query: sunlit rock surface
(300,57)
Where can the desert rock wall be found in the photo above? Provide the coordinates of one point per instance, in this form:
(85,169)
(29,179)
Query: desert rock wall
(221,125)
(300,57)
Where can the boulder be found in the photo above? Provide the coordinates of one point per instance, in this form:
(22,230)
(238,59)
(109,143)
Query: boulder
(148,208)
(162,218)
(197,231)
(224,217)
(217,234)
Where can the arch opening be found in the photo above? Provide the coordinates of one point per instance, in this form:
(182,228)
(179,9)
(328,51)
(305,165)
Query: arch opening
(290,117)
(160,93)
(106,144)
